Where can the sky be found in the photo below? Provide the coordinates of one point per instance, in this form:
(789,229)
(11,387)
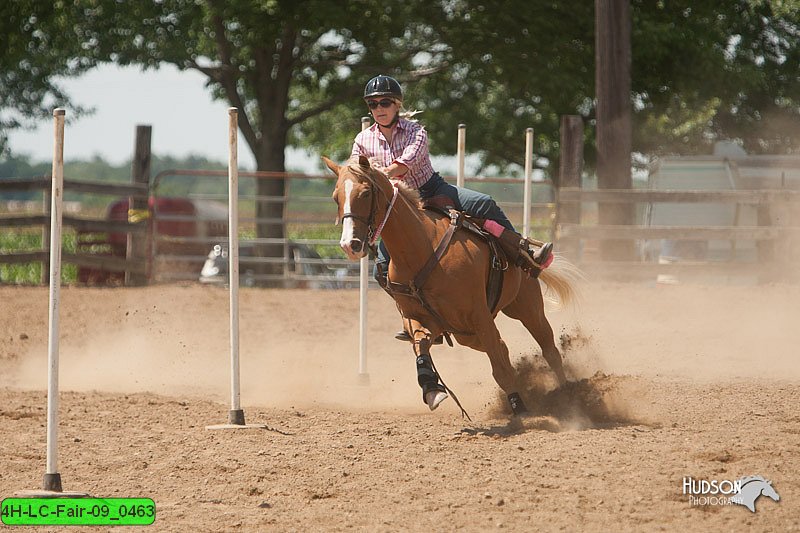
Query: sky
(185,120)
(176,104)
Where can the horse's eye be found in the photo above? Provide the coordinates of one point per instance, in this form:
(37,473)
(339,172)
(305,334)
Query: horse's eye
(364,193)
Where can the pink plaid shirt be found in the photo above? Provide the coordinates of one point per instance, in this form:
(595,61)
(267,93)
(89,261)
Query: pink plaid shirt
(409,147)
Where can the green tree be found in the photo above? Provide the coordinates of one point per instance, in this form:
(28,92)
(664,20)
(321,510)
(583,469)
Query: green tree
(706,71)
(38,43)
(701,72)
(281,62)
(521,66)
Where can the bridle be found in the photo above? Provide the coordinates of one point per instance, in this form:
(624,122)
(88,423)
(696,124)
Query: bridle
(374,233)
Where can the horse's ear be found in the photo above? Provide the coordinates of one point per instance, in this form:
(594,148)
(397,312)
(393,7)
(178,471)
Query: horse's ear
(363,161)
(331,165)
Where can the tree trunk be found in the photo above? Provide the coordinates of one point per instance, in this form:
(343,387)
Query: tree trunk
(270,206)
(613,88)
(569,175)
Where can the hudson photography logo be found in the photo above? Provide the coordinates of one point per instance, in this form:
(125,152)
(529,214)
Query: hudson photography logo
(744,491)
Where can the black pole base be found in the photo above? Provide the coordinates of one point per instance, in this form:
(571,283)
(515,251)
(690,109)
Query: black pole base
(236,417)
(52,482)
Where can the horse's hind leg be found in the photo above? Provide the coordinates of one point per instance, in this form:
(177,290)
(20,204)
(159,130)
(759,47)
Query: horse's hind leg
(528,308)
(502,370)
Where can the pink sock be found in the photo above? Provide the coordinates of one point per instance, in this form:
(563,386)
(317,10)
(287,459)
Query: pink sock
(494,228)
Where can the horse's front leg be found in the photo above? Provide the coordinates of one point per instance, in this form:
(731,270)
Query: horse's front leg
(433,393)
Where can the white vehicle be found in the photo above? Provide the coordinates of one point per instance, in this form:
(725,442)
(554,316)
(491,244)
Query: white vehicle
(307,268)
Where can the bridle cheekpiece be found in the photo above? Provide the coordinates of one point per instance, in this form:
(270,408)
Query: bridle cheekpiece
(374,234)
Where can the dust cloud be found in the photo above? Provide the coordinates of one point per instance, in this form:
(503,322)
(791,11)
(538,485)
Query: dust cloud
(300,348)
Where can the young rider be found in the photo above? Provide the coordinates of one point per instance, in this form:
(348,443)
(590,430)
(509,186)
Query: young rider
(399,147)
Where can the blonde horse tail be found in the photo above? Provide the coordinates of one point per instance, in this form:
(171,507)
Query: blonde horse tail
(562,278)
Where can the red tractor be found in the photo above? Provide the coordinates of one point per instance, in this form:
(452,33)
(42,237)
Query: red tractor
(172,217)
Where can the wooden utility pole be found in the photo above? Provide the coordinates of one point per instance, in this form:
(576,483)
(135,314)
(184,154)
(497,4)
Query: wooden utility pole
(613,91)
(569,175)
(137,206)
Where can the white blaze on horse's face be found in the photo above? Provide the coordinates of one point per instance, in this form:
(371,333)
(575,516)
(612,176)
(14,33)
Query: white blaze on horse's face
(348,226)
(353,245)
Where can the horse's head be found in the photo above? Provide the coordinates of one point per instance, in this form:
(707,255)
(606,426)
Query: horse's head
(768,490)
(356,199)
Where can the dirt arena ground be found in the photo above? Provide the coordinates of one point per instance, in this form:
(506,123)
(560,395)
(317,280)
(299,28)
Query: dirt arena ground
(678,381)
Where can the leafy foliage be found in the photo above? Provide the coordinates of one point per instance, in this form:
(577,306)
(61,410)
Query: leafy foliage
(280,62)
(702,71)
(38,43)
(710,71)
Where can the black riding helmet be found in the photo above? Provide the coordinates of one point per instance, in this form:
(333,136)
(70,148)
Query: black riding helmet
(383,86)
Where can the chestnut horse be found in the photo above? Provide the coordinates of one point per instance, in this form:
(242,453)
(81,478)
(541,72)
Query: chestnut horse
(454,296)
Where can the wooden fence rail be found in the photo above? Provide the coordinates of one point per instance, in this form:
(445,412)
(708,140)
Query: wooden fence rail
(77,223)
(136,265)
(768,196)
(772,232)
(683,233)
(91,187)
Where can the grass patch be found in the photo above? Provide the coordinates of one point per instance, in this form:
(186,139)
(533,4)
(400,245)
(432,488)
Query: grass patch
(30,240)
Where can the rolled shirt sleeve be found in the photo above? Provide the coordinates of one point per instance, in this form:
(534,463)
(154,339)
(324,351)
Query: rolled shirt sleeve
(415,153)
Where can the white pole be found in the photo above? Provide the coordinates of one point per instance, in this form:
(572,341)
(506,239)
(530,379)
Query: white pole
(363,375)
(52,479)
(236,414)
(460,151)
(526,208)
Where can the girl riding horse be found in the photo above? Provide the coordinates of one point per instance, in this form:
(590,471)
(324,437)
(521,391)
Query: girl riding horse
(442,287)
(399,148)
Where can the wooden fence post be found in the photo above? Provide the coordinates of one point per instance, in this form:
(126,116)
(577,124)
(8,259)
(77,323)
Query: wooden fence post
(137,206)
(785,250)
(569,175)
(613,119)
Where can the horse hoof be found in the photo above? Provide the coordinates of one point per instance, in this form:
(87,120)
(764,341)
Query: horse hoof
(434,398)
(517,405)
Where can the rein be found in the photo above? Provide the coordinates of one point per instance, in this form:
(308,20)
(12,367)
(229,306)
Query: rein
(413,288)
(378,231)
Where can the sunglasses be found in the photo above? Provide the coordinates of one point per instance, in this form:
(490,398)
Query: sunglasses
(386,102)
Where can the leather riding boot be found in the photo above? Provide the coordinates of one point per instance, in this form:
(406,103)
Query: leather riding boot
(525,254)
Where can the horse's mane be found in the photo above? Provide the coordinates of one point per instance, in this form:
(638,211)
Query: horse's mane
(745,480)
(409,193)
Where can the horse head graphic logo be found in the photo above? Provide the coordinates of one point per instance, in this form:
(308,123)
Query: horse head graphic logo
(751,488)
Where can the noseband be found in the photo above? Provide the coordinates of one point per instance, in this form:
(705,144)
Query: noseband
(374,233)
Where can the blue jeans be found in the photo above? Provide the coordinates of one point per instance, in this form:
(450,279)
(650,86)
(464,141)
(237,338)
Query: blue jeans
(473,203)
